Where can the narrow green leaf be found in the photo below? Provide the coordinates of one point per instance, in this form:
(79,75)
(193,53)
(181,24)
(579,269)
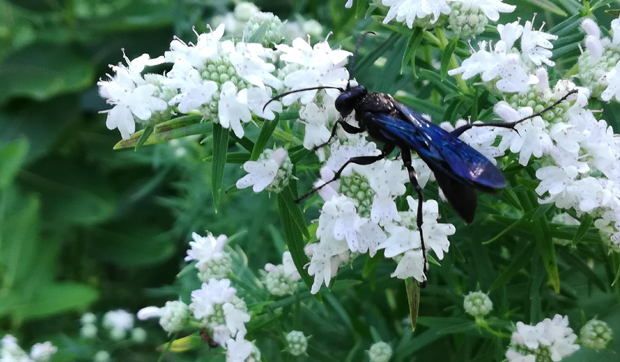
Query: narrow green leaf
(444,87)
(530,184)
(446,56)
(509,196)
(12,156)
(259,34)
(288,115)
(294,241)
(184,344)
(220,148)
(583,268)
(144,136)
(586,222)
(412,46)
(234,158)
(518,262)
(397,28)
(566,26)
(177,123)
(549,6)
(265,132)
(413,296)
(370,58)
(244,142)
(317,354)
(542,210)
(296,215)
(201,128)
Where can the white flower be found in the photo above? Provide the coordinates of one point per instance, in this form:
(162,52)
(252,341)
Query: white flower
(257,98)
(88,318)
(411,266)
(340,154)
(195,92)
(214,292)
(206,248)
(172,316)
(490,8)
(435,234)
(245,10)
(408,10)
(315,119)
(102,356)
(118,319)
(330,190)
(42,351)
(239,349)
(88,331)
(326,257)
(235,318)
(613,81)
(248,60)
(536,45)
(282,279)
(319,66)
(528,138)
(233,109)
(262,173)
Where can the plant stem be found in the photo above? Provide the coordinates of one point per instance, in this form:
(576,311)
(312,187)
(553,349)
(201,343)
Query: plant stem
(443,42)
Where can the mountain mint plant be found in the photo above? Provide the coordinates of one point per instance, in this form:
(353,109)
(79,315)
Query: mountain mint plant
(268,105)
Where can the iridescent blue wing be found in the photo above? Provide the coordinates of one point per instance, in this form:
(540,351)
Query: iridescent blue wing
(440,150)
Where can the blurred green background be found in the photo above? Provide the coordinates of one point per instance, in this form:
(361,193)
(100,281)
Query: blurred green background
(86,228)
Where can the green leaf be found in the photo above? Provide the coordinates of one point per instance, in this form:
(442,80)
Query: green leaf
(444,86)
(413,298)
(542,210)
(586,222)
(370,58)
(288,115)
(12,156)
(176,123)
(530,184)
(220,148)
(57,298)
(446,56)
(71,192)
(259,34)
(583,268)
(317,354)
(412,46)
(233,157)
(244,142)
(296,215)
(159,137)
(42,71)
(549,6)
(184,344)
(19,229)
(518,262)
(144,136)
(265,132)
(294,239)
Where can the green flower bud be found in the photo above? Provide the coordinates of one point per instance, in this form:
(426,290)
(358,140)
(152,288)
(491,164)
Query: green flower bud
(297,343)
(380,352)
(477,304)
(596,334)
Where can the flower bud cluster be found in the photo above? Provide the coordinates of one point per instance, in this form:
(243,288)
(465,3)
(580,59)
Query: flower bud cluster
(477,304)
(297,343)
(282,279)
(595,334)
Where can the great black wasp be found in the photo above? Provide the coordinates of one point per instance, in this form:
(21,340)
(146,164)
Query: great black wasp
(459,169)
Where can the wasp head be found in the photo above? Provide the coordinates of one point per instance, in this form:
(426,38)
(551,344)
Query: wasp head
(347,100)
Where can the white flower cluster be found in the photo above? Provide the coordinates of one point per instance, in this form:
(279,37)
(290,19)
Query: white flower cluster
(477,304)
(211,260)
(578,152)
(88,329)
(215,305)
(282,279)
(503,67)
(297,343)
(118,322)
(380,352)
(595,334)
(549,340)
(10,351)
(360,216)
(224,81)
(272,171)
(467,17)
(247,18)
(599,64)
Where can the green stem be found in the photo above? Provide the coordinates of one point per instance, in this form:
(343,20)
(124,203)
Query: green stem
(480,322)
(443,42)
(165,351)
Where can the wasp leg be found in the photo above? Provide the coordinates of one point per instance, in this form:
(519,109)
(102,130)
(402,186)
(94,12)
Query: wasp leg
(413,179)
(347,127)
(360,160)
(459,131)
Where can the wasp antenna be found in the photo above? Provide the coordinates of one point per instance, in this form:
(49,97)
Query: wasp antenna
(297,91)
(357,47)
